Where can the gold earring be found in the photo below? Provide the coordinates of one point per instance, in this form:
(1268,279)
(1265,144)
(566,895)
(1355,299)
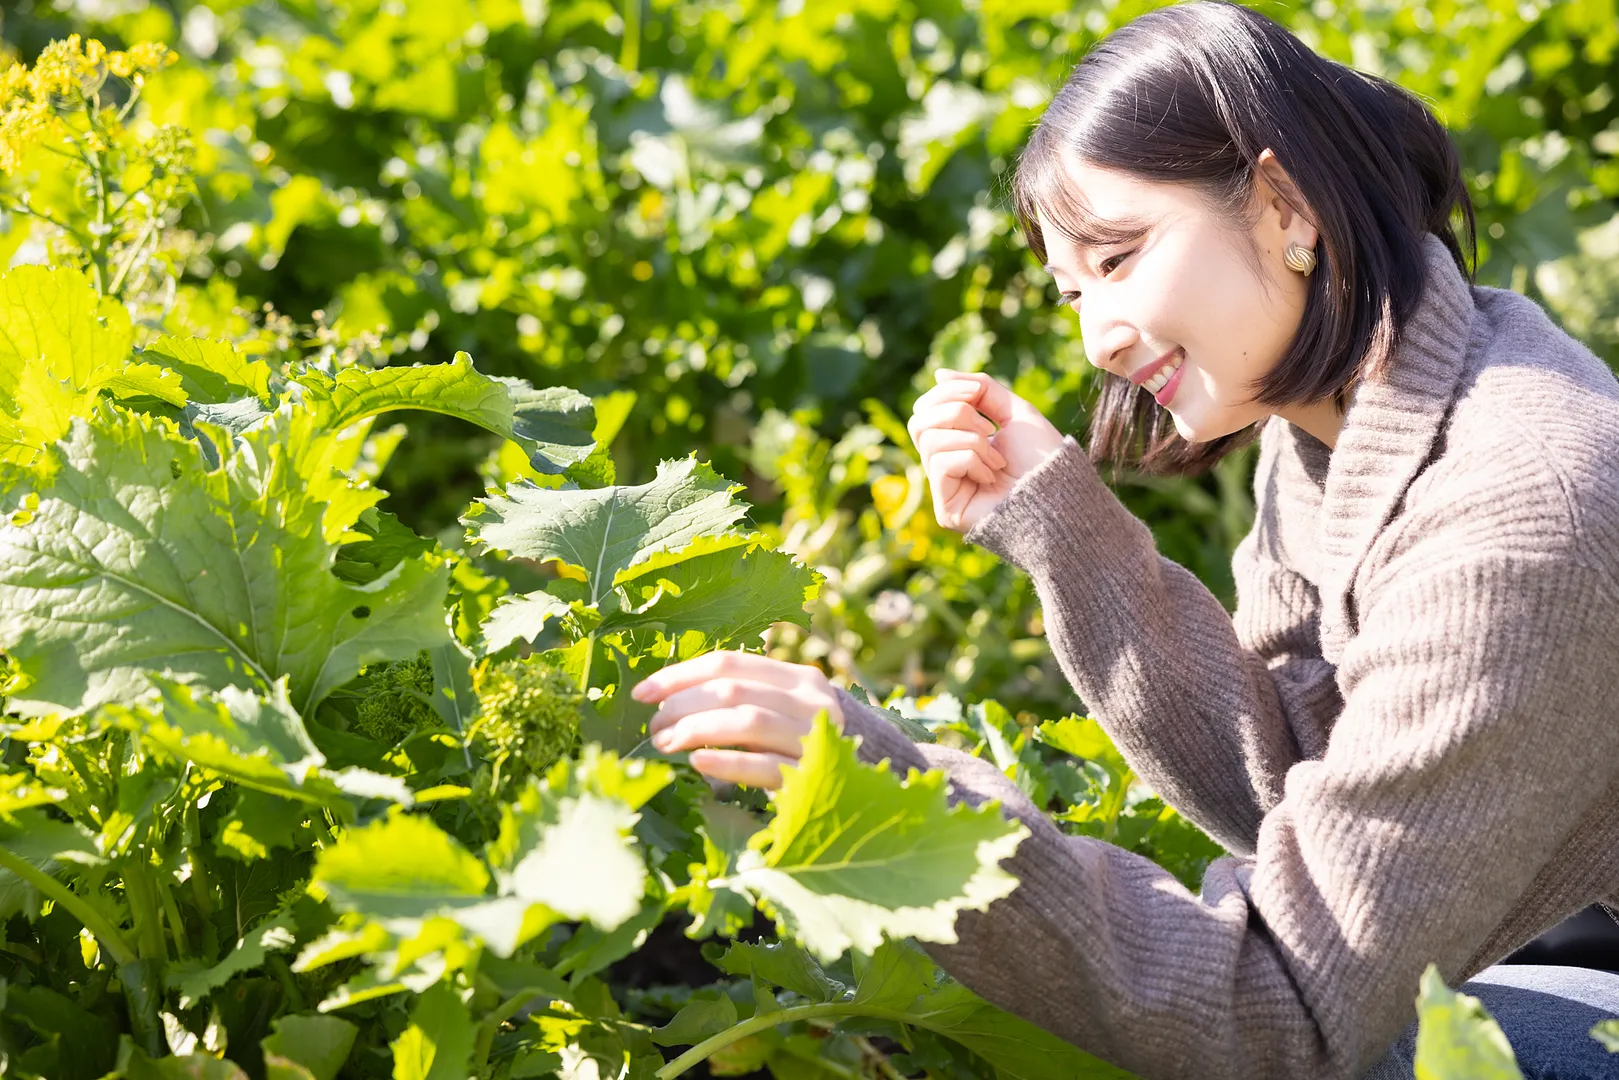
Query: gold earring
(1300,258)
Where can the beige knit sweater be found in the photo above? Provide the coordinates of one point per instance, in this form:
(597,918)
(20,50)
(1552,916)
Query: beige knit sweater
(1407,734)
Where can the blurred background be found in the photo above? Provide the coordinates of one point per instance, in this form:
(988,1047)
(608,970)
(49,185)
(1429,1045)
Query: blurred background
(751,229)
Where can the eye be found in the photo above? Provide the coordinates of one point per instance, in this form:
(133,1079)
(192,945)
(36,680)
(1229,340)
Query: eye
(1112,262)
(1068,297)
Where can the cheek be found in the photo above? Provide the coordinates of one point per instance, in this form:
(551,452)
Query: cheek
(1241,331)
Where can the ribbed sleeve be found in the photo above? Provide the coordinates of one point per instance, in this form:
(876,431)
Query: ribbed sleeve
(1211,718)
(1382,856)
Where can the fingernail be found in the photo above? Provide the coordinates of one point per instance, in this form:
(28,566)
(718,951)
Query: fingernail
(663,740)
(643,691)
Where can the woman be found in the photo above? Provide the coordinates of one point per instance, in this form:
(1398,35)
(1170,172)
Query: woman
(1405,734)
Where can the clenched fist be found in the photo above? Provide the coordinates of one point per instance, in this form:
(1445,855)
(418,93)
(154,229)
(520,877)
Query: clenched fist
(977,439)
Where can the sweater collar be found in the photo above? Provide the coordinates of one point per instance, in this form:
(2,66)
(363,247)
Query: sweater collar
(1388,432)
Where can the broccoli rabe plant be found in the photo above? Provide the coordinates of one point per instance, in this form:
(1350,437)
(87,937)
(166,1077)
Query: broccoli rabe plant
(395,700)
(528,716)
(279,789)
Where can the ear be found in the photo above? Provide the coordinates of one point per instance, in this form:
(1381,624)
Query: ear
(1277,192)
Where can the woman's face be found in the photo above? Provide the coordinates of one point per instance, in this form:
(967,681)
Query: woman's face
(1187,287)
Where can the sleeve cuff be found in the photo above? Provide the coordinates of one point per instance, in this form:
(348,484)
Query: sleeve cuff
(1059,503)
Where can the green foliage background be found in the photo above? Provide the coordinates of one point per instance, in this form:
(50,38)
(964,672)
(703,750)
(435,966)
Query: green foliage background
(752,229)
(770,219)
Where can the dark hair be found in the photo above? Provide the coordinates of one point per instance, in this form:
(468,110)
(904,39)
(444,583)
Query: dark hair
(1192,94)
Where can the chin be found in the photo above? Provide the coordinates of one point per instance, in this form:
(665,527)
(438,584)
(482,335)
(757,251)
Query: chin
(1197,429)
(1187,430)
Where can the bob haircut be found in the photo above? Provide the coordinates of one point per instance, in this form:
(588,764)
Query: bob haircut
(1191,94)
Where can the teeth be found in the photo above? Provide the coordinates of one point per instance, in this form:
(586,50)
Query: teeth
(1156,383)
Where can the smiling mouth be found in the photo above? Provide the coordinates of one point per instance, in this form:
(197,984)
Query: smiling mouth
(1161,378)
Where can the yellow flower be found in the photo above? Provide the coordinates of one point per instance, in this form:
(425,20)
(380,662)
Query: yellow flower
(13,82)
(62,69)
(22,125)
(152,56)
(888,494)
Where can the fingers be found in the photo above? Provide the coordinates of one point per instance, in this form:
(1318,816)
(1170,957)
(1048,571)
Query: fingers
(936,441)
(963,464)
(732,694)
(740,767)
(950,494)
(983,393)
(953,414)
(724,663)
(745,727)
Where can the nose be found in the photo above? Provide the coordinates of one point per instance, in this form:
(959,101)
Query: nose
(1113,346)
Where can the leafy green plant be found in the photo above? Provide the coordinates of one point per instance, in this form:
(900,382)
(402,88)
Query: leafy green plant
(287,775)
(257,775)
(1456,1037)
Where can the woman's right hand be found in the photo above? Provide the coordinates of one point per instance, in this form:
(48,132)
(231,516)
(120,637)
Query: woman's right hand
(977,439)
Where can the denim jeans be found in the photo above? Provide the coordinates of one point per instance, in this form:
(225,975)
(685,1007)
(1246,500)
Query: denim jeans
(1546,1014)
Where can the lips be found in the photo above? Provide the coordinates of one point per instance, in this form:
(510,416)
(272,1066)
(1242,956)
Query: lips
(1155,367)
(1166,393)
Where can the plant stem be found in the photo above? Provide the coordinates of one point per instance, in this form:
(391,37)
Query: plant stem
(491,1024)
(714,1043)
(590,655)
(19,208)
(879,1060)
(134,96)
(171,914)
(98,251)
(202,892)
(133,256)
(143,909)
(106,933)
(1113,802)
(289,985)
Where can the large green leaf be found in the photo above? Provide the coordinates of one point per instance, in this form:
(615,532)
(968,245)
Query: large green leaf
(197,981)
(854,854)
(567,844)
(259,742)
(521,618)
(438,1043)
(61,345)
(400,868)
(136,556)
(212,371)
(319,1045)
(553,425)
(605,530)
(730,593)
(1456,1038)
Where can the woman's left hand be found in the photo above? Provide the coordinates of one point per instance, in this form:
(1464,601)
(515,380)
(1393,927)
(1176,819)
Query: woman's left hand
(740,714)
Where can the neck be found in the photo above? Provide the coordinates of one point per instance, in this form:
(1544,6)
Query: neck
(1321,419)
